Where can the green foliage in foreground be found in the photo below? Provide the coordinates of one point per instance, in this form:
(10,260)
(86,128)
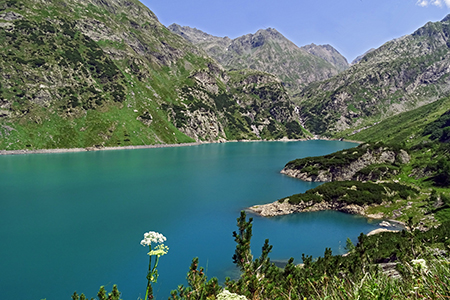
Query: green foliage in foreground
(354,192)
(355,276)
(421,260)
(102,294)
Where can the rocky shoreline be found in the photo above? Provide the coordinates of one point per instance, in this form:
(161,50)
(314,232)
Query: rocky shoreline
(278,209)
(67,150)
(285,208)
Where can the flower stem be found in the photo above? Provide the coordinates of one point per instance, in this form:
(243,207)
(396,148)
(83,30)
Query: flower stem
(149,291)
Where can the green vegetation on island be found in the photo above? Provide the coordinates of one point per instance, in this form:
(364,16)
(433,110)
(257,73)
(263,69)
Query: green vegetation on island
(365,162)
(355,192)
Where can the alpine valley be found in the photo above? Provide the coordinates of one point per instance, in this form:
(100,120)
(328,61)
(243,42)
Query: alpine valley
(106,73)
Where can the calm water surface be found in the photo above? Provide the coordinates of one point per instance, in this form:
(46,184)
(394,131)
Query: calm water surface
(73,221)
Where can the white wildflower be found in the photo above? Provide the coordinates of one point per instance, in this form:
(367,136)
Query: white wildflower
(152,237)
(421,264)
(159,250)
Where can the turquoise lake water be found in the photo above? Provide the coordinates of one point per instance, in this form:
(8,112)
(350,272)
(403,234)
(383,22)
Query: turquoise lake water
(73,221)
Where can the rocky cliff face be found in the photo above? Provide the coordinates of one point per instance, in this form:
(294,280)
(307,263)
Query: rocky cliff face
(250,105)
(400,75)
(363,163)
(269,51)
(107,73)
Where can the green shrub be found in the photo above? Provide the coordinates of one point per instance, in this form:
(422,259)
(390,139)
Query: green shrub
(353,192)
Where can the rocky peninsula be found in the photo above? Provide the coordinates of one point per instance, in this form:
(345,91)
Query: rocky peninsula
(278,208)
(358,181)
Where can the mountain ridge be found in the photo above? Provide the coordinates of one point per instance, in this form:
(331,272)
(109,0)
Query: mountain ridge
(398,76)
(269,51)
(329,53)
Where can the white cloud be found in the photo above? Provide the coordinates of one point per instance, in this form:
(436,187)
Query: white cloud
(440,3)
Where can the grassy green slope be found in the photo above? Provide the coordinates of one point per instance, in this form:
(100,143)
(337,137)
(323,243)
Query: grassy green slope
(90,73)
(63,90)
(406,127)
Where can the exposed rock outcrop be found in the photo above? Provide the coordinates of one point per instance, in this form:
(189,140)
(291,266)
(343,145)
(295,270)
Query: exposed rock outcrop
(286,208)
(328,53)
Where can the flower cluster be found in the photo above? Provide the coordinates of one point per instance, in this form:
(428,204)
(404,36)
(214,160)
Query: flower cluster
(421,264)
(152,237)
(159,250)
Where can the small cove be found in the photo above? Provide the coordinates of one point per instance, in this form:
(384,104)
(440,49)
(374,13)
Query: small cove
(73,221)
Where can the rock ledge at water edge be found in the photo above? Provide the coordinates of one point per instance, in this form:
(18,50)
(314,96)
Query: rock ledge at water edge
(285,208)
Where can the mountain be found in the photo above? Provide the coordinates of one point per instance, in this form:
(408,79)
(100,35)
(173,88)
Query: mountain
(328,53)
(269,51)
(400,75)
(100,73)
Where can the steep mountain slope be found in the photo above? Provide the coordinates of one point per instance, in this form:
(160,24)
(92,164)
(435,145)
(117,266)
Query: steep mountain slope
(400,75)
(107,73)
(269,51)
(407,127)
(358,59)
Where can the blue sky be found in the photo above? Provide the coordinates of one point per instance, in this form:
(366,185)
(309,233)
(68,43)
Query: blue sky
(350,26)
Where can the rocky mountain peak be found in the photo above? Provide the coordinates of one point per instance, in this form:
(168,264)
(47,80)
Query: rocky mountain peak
(266,50)
(248,42)
(358,59)
(270,33)
(328,53)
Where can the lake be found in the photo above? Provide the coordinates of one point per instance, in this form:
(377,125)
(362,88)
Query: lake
(73,221)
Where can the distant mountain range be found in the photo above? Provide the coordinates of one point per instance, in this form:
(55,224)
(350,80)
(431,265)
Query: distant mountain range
(108,73)
(402,74)
(269,51)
